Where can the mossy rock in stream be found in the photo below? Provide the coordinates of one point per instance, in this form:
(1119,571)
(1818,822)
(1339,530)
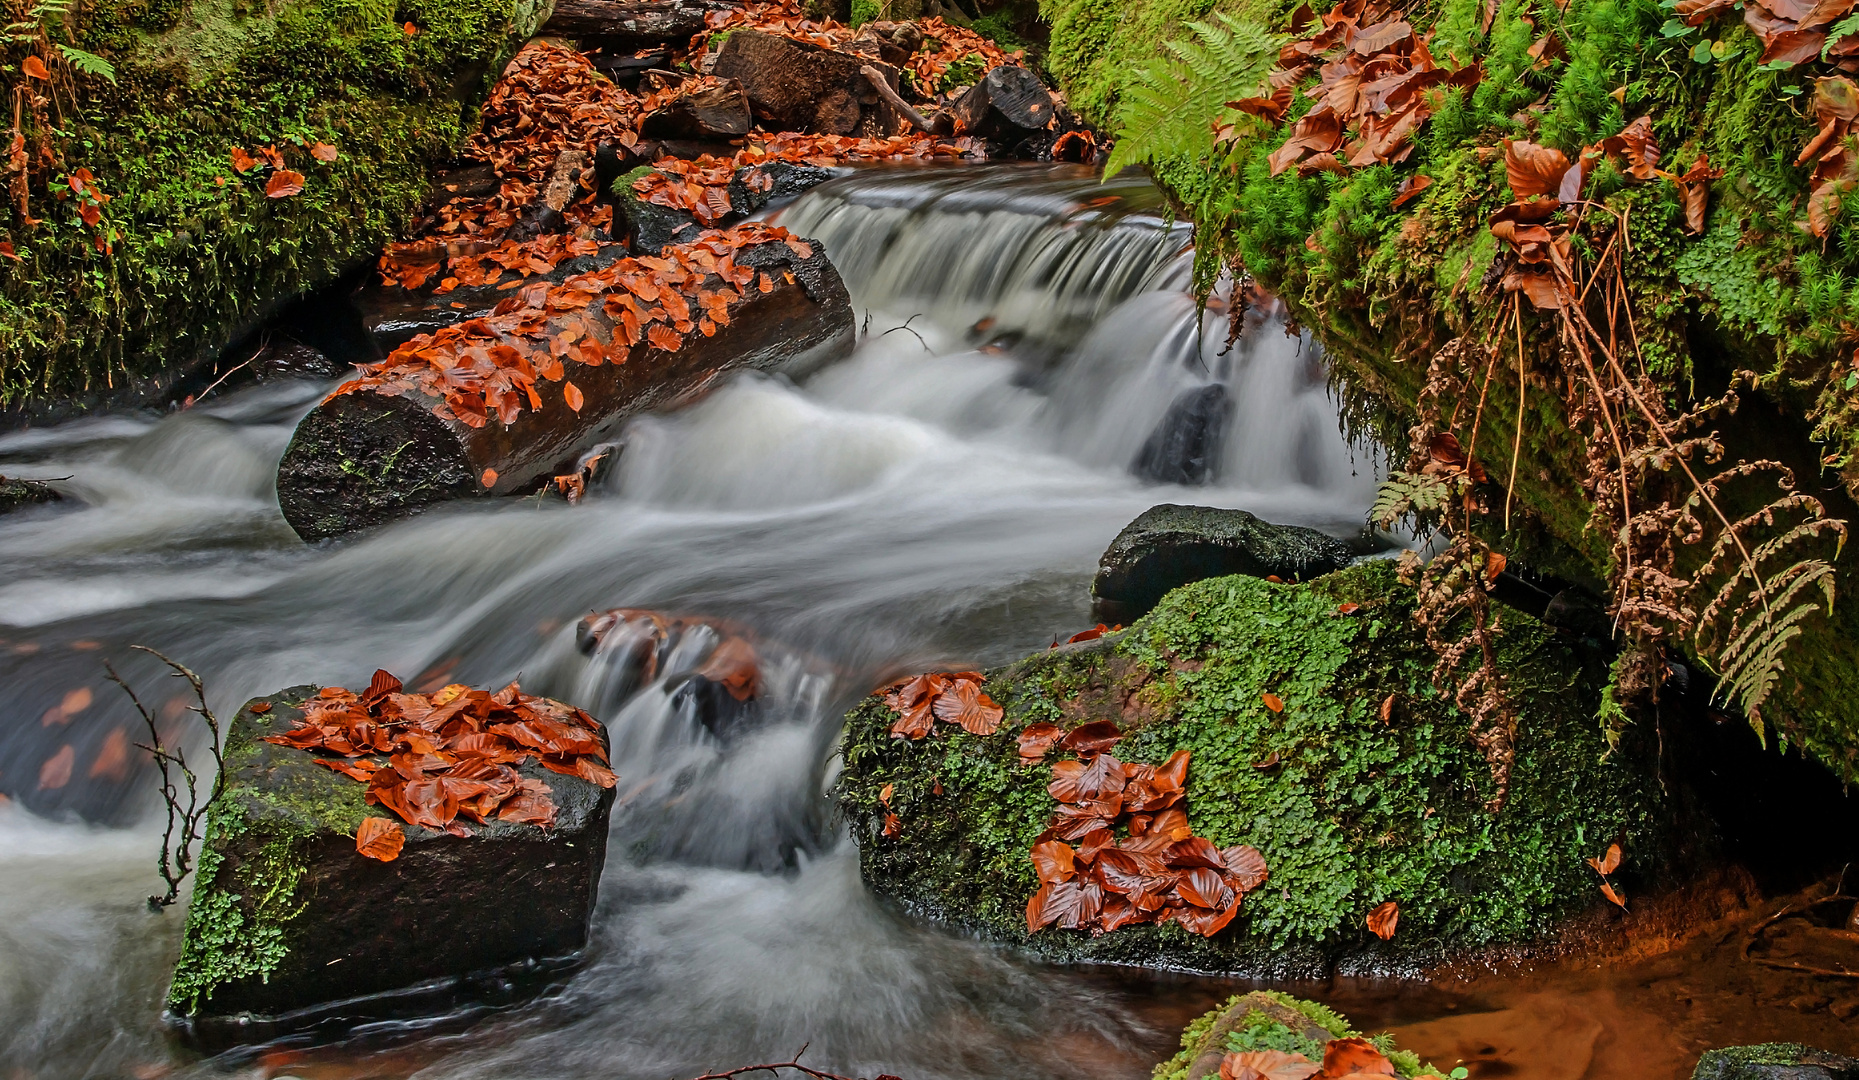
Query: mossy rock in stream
(286,917)
(1268,1020)
(1349,811)
(200,252)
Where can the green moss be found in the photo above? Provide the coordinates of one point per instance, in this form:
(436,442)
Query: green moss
(251,862)
(1270,1020)
(1349,811)
(198,249)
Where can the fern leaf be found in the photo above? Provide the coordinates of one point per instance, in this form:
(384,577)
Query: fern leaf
(1170,105)
(88,63)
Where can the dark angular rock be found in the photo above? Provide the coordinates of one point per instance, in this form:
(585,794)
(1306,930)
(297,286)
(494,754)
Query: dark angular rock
(1774,1061)
(17,494)
(289,924)
(649,227)
(286,358)
(1170,546)
(1186,445)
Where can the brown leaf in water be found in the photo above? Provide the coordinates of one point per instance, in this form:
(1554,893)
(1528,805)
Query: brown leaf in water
(1384,919)
(488,478)
(112,760)
(56,772)
(380,838)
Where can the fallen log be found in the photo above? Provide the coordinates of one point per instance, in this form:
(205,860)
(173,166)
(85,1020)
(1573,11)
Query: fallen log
(796,86)
(710,112)
(642,22)
(1007,105)
(498,405)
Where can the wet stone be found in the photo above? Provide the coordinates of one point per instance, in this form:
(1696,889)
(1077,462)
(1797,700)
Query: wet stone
(290,927)
(1171,545)
(1775,1061)
(19,494)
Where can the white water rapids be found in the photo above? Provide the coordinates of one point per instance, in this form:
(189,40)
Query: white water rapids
(939,497)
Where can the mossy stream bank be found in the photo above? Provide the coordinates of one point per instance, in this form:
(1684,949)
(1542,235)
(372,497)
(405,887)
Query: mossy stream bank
(1348,810)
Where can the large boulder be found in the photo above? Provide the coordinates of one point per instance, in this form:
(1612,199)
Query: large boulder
(1314,735)
(1185,447)
(1171,545)
(1775,1061)
(290,925)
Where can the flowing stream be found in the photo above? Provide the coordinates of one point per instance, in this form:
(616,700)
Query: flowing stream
(940,497)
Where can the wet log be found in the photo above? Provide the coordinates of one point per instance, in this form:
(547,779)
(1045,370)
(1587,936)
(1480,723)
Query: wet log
(290,926)
(713,112)
(522,394)
(796,86)
(1007,105)
(638,22)
(17,494)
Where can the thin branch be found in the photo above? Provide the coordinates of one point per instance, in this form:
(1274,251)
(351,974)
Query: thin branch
(774,1067)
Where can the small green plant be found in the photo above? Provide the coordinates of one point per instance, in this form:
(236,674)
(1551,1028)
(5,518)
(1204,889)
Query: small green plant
(1169,108)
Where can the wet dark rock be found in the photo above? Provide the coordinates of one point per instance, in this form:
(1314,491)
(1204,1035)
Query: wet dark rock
(1007,106)
(710,705)
(634,22)
(288,924)
(1172,545)
(1578,613)
(1185,447)
(287,358)
(796,86)
(1775,1061)
(18,494)
(649,227)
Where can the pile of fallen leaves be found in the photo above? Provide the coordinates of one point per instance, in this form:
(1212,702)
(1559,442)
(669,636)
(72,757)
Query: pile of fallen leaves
(1157,871)
(701,186)
(432,759)
(492,365)
(955,698)
(944,44)
(1343,1059)
(1836,168)
(549,99)
(1374,74)
(1791,31)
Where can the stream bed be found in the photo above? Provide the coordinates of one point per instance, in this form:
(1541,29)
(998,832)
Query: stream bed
(940,497)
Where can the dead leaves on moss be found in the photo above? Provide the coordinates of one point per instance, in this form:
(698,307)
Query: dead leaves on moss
(1158,871)
(432,759)
(952,698)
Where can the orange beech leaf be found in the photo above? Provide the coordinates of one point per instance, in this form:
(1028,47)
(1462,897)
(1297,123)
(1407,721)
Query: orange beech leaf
(1410,189)
(1092,738)
(1609,862)
(112,760)
(1273,702)
(884,794)
(1246,866)
(1608,891)
(322,151)
(1054,860)
(261,707)
(572,395)
(1495,562)
(489,478)
(892,825)
(283,184)
(242,161)
(1036,739)
(1267,1065)
(1384,919)
(664,337)
(1387,708)
(1349,608)
(1346,1057)
(6,248)
(1532,169)
(35,68)
(380,838)
(56,771)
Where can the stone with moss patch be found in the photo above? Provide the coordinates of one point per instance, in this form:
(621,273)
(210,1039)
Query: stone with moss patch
(1268,1020)
(286,915)
(1349,810)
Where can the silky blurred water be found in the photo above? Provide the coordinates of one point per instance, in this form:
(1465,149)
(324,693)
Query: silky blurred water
(940,497)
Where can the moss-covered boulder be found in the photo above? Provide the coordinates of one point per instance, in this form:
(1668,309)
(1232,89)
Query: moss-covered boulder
(1265,1020)
(1350,809)
(1774,1061)
(287,916)
(188,250)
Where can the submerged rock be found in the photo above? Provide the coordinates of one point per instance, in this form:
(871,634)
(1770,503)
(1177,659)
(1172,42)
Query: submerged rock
(1171,545)
(1186,445)
(289,925)
(1775,1061)
(18,494)
(1314,735)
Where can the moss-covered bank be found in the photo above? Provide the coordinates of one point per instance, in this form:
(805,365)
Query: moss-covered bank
(1384,287)
(1268,1020)
(1349,810)
(188,249)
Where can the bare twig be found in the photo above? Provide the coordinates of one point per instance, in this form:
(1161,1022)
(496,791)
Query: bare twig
(883,86)
(913,333)
(177,858)
(775,1066)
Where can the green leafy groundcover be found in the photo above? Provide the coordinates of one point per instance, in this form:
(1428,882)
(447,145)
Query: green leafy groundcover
(1349,810)
(198,248)
(1380,286)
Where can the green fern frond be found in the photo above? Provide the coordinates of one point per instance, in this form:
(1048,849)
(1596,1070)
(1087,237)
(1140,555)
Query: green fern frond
(1169,107)
(1404,493)
(88,63)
